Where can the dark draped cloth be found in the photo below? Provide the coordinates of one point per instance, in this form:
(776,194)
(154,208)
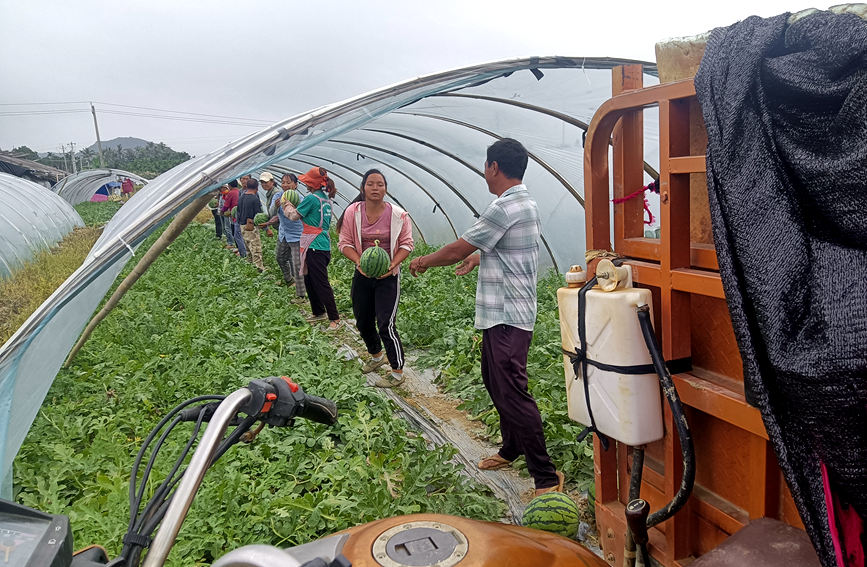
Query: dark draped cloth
(785,107)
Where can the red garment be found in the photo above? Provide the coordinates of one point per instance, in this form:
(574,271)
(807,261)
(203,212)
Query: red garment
(315,178)
(126,186)
(230,201)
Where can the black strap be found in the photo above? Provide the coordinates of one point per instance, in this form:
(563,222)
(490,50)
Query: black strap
(579,365)
(136,539)
(675,366)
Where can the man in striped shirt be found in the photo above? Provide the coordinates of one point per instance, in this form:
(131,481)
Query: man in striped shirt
(507,236)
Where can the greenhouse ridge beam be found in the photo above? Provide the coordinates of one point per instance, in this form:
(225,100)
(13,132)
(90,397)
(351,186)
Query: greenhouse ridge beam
(405,175)
(542,163)
(465,164)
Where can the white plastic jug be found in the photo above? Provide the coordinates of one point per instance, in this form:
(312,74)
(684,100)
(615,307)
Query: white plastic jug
(626,407)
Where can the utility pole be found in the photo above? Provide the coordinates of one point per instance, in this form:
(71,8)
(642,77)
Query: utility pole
(65,162)
(72,156)
(98,142)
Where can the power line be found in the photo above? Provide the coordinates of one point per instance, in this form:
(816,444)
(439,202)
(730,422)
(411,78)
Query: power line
(184,118)
(42,103)
(235,119)
(38,112)
(190,113)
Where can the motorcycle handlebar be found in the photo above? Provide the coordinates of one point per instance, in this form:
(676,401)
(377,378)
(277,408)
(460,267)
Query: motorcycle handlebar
(275,401)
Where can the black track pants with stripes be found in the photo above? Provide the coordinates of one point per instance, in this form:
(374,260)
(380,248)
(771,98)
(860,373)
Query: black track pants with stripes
(374,303)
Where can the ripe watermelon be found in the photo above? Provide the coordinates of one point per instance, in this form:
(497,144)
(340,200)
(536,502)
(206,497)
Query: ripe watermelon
(233,212)
(374,261)
(212,203)
(292,196)
(260,218)
(552,512)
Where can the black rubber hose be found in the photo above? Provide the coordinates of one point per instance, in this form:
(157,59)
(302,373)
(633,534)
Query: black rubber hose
(686,448)
(634,494)
(635,475)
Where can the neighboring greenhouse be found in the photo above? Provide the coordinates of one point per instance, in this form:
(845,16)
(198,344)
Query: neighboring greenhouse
(84,185)
(428,135)
(32,219)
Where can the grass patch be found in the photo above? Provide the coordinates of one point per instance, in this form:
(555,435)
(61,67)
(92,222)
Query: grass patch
(32,284)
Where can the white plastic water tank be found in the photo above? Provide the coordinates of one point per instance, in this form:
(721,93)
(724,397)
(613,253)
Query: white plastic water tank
(626,407)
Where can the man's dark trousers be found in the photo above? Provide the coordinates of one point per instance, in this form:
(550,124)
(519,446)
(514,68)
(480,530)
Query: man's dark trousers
(504,372)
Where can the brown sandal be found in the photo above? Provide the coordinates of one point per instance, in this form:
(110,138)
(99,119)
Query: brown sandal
(493,463)
(561,479)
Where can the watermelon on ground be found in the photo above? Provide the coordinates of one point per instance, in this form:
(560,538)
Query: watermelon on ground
(552,512)
(374,261)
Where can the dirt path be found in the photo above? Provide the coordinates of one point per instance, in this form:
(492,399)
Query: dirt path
(437,417)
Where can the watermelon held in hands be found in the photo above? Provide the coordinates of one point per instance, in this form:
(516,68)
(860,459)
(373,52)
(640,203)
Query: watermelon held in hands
(552,512)
(234,211)
(260,218)
(374,261)
(292,196)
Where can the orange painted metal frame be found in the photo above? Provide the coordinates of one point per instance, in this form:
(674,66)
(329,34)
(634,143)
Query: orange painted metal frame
(679,272)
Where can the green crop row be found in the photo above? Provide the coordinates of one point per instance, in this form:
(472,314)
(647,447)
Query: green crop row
(436,317)
(199,322)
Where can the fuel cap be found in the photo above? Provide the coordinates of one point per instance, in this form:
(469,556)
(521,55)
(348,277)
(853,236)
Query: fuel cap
(420,544)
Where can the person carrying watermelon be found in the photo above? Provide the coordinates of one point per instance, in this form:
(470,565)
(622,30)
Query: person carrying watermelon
(377,237)
(288,249)
(315,212)
(507,234)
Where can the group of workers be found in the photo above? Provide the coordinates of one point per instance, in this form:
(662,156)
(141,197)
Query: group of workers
(503,243)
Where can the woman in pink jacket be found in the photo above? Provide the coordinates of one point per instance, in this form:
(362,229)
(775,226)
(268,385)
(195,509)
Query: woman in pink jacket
(375,300)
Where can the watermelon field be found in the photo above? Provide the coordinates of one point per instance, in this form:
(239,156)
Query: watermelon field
(201,321)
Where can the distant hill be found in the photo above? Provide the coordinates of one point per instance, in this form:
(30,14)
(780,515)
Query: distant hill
(125,143)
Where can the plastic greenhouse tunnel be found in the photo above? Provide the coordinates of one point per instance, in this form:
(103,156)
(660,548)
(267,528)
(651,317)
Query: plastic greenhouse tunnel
(428,135)
(33,219)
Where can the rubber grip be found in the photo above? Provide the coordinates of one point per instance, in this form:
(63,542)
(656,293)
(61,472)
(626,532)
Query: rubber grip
(318,409)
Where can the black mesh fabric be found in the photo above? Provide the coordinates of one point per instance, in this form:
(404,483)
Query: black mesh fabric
(785,107)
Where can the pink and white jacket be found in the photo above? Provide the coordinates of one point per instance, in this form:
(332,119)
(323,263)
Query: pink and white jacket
(401,229)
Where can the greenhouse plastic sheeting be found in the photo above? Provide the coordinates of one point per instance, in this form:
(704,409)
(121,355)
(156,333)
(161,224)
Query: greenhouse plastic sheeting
(32,219)
(428,135)
(82,186)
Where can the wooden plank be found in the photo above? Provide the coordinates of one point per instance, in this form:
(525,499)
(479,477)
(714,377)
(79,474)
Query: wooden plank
(697,281)
(645,273)
(720,402)
(718,511)
(628,158)
(687,164)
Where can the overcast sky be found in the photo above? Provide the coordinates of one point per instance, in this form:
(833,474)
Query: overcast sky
(267,60)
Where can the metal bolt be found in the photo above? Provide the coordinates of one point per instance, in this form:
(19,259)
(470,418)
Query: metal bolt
(407,526)
(610,557)
(610,533)
(382,556)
